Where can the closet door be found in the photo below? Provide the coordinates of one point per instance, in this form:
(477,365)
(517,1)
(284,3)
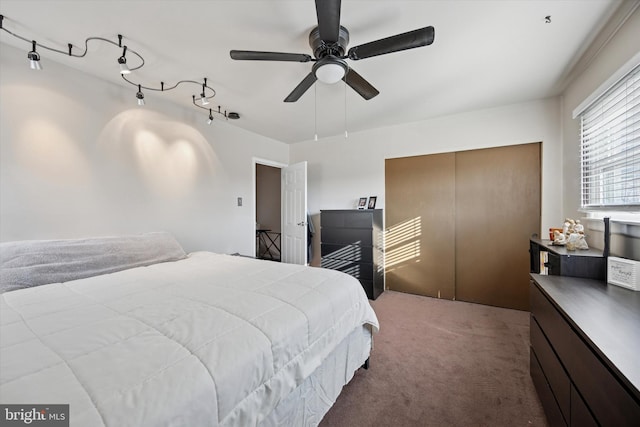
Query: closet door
(419,221)
(497,209)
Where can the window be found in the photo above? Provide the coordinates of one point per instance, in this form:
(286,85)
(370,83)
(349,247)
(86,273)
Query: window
(610,146)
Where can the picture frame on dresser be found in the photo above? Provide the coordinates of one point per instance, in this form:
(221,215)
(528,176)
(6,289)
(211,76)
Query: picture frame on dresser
(372,202)
(362,204)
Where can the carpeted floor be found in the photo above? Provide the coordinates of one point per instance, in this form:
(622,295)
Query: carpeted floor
(442,363)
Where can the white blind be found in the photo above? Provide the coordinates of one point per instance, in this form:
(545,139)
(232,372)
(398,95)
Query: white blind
(610,146)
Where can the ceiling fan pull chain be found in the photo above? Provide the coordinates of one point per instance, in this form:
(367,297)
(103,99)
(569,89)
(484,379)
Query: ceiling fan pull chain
(315,112)
(346,134)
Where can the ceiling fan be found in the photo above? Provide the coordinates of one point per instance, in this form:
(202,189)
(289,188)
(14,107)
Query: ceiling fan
(329,42)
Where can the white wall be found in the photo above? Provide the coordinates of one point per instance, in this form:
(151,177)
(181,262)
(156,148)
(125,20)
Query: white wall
(342,170)
(79,158)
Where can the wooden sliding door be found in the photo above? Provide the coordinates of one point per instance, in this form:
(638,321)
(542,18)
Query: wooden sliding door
(420,238)
(497,210)
(458,224)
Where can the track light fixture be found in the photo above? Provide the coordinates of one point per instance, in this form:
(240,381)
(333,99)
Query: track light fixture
(125,70)
(34,57)
(230,115)
(140,95)
(203,95)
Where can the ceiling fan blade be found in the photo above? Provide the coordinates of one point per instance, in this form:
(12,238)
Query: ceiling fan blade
(328,12)
(360,85)
(409,40)
(252,55)
(301,88)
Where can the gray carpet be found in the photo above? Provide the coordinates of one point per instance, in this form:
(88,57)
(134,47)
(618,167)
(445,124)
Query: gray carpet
(442,363)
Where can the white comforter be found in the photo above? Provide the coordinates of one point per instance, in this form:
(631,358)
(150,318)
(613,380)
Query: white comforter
(209,340)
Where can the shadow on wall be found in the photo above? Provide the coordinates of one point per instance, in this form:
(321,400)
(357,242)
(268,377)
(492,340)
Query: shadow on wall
(169,157)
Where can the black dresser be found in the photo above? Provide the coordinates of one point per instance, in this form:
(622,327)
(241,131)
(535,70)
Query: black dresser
(351,241)
(585,342)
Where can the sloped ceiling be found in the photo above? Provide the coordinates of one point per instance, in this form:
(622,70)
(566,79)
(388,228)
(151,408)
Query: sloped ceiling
(485,54)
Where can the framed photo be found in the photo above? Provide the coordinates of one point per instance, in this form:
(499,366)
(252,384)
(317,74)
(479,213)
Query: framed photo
(372,202)
(362,203)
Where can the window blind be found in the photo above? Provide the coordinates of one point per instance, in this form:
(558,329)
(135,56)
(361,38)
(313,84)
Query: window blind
(610,146)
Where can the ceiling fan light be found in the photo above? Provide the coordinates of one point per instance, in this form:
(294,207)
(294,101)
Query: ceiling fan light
(330,73)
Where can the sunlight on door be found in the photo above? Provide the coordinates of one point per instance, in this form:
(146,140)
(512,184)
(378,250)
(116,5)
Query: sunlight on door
(403,243)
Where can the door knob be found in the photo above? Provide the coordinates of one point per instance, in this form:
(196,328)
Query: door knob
(302,224)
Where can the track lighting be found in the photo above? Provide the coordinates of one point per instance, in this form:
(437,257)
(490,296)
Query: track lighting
(230,115)
(34,57)
(124,69)
(140,95)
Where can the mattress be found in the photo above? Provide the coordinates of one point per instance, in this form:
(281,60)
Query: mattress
(209,340)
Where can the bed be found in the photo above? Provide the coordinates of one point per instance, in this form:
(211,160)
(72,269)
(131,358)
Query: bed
(132,331)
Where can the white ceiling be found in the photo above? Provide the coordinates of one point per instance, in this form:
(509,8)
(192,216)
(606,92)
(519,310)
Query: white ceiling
(485,54)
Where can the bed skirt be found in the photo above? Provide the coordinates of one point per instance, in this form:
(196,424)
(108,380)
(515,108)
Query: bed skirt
(307,405)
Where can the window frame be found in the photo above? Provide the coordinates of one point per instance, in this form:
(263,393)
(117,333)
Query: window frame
(607,91)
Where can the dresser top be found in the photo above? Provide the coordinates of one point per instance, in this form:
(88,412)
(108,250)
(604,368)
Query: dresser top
(606,316)
(350,210)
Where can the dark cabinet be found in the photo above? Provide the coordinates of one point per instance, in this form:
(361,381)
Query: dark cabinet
(352,241)
(589,264)
(584,347)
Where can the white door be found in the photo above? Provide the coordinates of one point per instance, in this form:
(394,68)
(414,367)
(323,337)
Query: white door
(294,214)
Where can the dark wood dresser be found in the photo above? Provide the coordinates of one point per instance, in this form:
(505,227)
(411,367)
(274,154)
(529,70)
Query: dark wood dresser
(352,241)
(585,351)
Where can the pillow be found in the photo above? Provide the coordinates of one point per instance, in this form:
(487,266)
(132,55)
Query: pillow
(38,262)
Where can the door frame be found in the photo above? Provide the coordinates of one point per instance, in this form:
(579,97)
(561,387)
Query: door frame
(255,161)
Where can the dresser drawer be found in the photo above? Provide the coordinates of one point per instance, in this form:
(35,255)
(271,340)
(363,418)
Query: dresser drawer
(367,285)
(356,219)
(357,253)
(555,374)
(551,409)
(609,401)
(359,236)
(553,325)
(359,270)
(580,415)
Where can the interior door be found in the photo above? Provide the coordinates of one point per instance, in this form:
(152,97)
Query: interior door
(294,214)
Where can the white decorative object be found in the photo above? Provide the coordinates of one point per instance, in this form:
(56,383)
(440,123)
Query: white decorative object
(623,272)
